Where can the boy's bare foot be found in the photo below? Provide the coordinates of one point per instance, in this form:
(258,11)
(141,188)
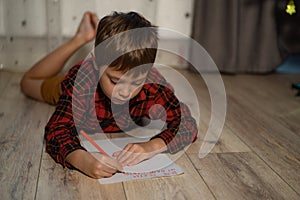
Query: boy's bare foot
(87,28)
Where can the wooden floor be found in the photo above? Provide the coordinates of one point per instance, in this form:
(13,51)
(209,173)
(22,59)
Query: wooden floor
(257,156)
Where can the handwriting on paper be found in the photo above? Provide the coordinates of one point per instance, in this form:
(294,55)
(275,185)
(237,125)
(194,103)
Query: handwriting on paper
(160,172)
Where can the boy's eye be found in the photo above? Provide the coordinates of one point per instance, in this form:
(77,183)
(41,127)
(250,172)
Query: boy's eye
(138,83)
(113,82)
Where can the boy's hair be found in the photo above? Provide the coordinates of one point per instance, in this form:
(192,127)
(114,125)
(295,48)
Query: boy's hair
(119,22)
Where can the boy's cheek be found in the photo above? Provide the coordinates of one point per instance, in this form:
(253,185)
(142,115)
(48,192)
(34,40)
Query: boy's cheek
(136,91)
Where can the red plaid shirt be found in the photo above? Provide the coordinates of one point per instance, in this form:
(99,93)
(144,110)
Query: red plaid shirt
(90,108)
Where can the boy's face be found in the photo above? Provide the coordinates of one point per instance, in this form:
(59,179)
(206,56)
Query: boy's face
(120,87)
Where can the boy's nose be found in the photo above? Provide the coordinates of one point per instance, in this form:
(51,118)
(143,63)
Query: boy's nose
(124,93)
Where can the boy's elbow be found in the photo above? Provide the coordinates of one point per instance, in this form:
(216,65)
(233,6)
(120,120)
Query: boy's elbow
(26,86)
(23,84)
(31,87)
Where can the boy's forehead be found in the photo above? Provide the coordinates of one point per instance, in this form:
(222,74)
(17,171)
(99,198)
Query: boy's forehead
(131,74)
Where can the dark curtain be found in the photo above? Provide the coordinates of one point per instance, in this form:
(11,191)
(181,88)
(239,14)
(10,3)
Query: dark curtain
(240,35)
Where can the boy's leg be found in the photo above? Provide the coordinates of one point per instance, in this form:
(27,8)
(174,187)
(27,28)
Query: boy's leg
(48,90)
(52,64)
(32,88)
(51,89)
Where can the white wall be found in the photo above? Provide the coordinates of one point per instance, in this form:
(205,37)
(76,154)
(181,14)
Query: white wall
(1,17)
(29,29)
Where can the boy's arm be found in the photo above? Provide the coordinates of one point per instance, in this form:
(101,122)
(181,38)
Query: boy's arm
(62,141)
(181,127)
(92,165)
(134,153)
(181,131)
(60,133)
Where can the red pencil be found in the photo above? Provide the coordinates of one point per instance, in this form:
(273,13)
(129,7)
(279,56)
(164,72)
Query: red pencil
(93,143)
(120,170)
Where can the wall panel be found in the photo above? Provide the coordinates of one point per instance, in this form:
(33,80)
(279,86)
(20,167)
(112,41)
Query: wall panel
(29,29)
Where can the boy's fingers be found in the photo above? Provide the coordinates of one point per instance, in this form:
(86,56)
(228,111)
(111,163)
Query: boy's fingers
(108,169)
(136,158)
(106,174)
(108,161)
(125,155)
(134,162)
(126,150)
(111,162)
(116,154)
(132,159)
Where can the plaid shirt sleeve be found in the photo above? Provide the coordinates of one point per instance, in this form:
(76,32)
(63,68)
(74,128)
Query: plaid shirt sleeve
(181,126)
(60,133)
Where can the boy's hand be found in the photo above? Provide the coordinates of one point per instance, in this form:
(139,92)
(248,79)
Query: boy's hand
(94,165)
(108,161)
(87,28)
(135,153)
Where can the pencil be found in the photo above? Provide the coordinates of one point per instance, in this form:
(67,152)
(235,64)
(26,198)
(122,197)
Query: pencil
(93,143)
(98,148)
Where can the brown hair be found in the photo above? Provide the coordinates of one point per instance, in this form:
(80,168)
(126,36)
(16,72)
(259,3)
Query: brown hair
(130,45)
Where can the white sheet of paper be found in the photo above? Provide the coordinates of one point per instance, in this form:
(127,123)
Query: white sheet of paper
(158,166)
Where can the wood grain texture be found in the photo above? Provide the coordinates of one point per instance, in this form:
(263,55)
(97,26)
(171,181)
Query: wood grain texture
(256,106)
(56,182)
(21,140)
(257,156)
(273,97)
(241,176)
(228,141)
(12,90)
(274,151)
(4,78)
(260,129)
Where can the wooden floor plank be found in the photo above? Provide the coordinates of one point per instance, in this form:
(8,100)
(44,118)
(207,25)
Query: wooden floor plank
(291,121)
(228,141)
(277,131)
(4,78)
(271,150)
(257,155)
(270,114)
(22,123)
(248,116)
(187,186)
(12,90)
(274,97)
(55,182)
(241,176)
(274,143)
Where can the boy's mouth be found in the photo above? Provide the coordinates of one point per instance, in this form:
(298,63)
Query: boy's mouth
(119,101)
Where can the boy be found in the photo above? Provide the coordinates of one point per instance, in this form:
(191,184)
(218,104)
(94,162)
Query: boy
(118,86)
